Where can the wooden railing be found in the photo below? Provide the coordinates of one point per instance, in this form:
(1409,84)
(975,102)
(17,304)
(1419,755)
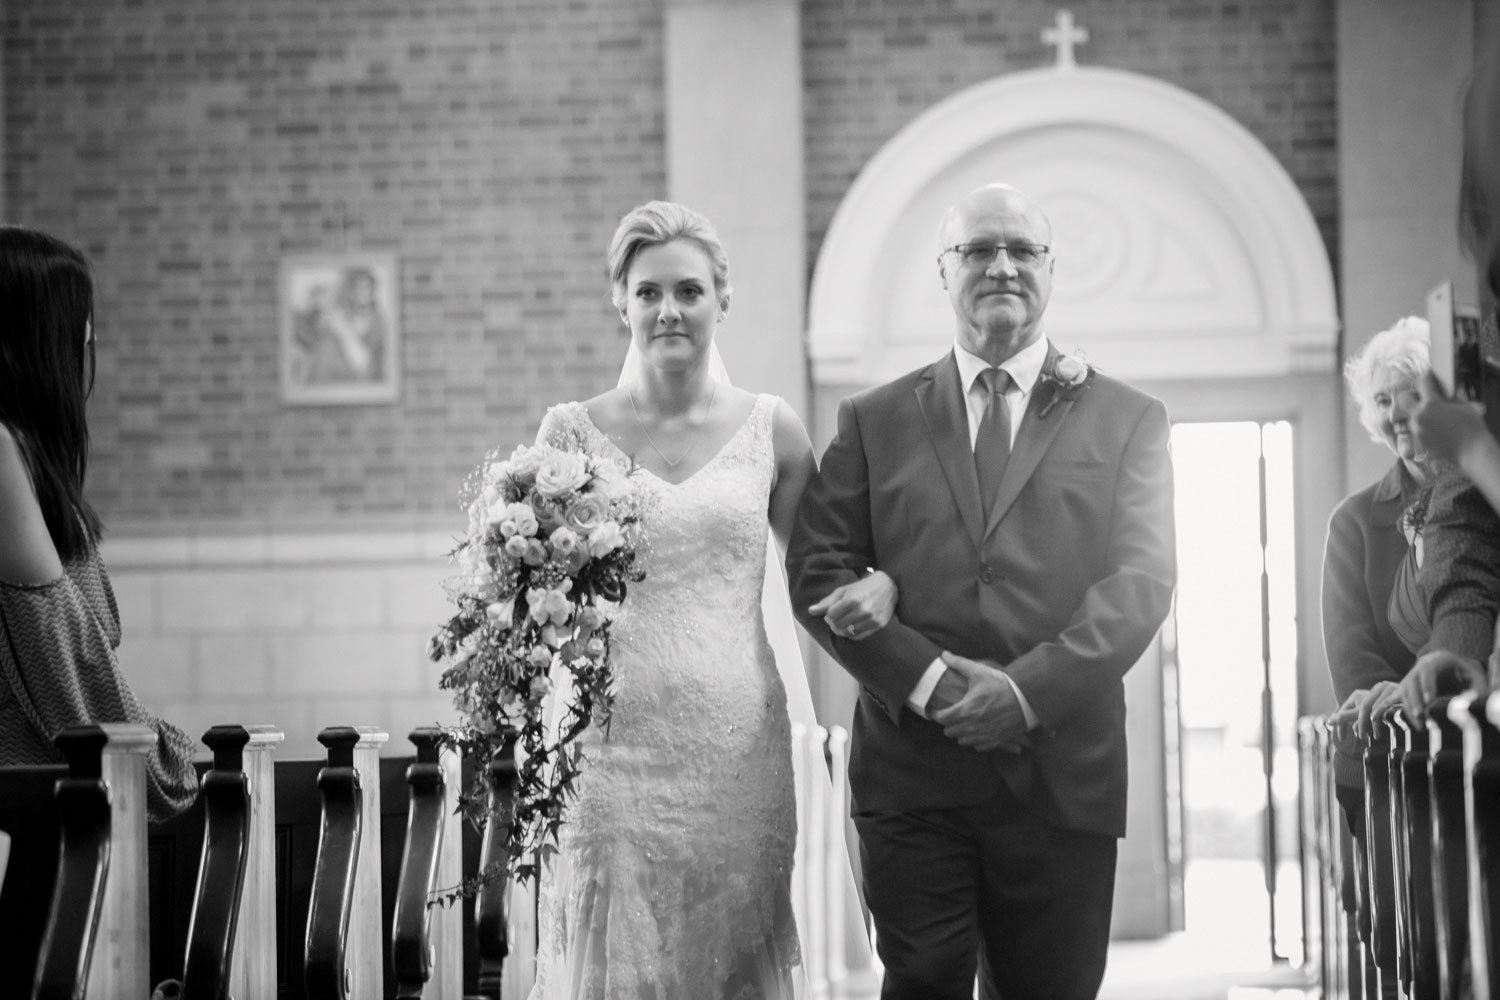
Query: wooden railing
(1432,841)
(315,878)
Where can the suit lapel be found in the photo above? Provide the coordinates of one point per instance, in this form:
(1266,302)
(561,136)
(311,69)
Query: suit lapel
(1033,439)
(941,398)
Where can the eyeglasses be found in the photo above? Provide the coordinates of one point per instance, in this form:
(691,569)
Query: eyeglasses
(982,255)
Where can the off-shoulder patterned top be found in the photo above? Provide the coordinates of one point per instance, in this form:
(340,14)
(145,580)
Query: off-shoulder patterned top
(58,668)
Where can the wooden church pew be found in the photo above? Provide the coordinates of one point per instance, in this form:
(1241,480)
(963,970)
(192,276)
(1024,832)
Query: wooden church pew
(102,793)
(225,795)
(1421,935)
(175,857)
(342,953)
(1450,865)
(1379,874)
(492,906)
(426,941)
(1482,769)
(1312,856)
(1396,830)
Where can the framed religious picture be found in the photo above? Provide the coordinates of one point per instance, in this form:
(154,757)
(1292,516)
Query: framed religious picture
(340,329)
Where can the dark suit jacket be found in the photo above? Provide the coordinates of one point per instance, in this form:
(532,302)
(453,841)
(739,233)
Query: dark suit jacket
(1065,586)
(1460,575)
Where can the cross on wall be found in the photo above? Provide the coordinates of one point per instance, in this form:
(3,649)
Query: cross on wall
(1064,35)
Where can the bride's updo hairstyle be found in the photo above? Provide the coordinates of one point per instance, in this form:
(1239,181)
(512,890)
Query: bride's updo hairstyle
(654,224)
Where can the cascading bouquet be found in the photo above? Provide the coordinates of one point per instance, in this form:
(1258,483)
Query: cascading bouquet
(546,561)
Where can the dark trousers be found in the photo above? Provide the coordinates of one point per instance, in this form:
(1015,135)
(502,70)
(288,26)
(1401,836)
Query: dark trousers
(987,887)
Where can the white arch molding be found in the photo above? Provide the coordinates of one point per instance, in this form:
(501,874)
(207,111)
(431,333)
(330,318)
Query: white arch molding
(1184,250)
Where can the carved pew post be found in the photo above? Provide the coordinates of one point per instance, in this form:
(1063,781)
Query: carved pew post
(1400,873)
(446,925)
(417,931)
(1310,853)
(1417,851)
(1482,811)
(1310,733)
(121,966)
(1379,880)
(343,918)
(253,969)
(85,824)
(1349,959)
(492,907)
(225,792)
(1450,864)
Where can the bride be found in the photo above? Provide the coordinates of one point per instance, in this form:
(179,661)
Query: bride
(673,877)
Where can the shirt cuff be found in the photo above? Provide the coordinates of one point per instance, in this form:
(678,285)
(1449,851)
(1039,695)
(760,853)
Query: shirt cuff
(1031,720)
(917,700)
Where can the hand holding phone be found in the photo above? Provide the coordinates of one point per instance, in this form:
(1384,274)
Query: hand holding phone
(1454,337)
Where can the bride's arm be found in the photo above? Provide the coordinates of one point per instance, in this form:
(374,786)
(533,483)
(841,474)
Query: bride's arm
(795,465)
(855,610)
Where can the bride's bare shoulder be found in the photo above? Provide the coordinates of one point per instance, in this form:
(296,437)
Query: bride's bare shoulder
(608,410)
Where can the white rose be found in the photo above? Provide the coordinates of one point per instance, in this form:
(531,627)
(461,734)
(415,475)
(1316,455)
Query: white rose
(561,473)
(520,519)
(1069,370)
(611,479)
(523,463)
(586,513)
(605,539)
(564,541)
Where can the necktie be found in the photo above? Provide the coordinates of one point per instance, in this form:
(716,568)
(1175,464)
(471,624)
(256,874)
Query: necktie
(992,445)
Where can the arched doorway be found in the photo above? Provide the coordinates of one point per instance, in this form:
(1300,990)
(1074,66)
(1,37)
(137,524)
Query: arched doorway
(1187,262)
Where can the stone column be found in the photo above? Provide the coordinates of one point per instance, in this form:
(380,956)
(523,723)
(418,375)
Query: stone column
(735,153)
(1399,144)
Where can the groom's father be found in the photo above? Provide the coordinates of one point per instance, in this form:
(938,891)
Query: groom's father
(1023,504)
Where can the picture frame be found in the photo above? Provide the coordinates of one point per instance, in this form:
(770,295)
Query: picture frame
(339,321)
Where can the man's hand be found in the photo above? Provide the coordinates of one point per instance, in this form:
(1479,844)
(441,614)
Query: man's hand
(860,609)
(951,687)
(1444,427)
(988,716)
(1436,674)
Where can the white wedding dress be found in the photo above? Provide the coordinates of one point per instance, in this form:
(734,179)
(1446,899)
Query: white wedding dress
(673,878)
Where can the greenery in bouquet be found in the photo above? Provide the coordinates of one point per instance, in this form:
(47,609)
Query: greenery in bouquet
(549,552)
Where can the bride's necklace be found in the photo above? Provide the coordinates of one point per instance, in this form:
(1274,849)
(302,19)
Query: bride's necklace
(671,463)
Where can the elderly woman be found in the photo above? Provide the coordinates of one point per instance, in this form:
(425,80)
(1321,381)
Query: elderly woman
(1367,544)
(1366,540)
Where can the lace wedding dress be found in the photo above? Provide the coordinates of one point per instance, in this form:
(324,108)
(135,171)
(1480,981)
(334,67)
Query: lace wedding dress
(673,879)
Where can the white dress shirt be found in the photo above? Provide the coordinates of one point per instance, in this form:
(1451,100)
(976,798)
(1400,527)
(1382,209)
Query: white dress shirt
(1023,367)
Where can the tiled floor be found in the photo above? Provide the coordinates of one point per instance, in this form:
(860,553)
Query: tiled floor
(1224,954)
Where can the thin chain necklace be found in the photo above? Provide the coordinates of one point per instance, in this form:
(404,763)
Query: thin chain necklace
(671,463)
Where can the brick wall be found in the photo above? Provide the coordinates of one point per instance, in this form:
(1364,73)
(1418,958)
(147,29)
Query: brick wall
(871,66)
(188,145)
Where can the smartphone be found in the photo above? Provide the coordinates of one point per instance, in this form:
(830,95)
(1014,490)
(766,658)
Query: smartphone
(1457,360)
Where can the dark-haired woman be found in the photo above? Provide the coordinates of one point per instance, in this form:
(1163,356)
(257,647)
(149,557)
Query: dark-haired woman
(59,625)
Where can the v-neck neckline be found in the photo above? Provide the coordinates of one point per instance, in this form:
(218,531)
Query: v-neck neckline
(696,472)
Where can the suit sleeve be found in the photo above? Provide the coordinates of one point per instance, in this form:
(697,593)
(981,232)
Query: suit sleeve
(1460,575)
(1356,660)
(832,544)
(1121,611)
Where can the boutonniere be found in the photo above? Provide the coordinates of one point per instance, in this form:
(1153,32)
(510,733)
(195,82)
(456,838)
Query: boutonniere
(1068,377)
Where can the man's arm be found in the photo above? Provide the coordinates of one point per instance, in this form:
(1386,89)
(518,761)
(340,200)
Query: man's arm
(1460,575)
(833,544)
(1121,611)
